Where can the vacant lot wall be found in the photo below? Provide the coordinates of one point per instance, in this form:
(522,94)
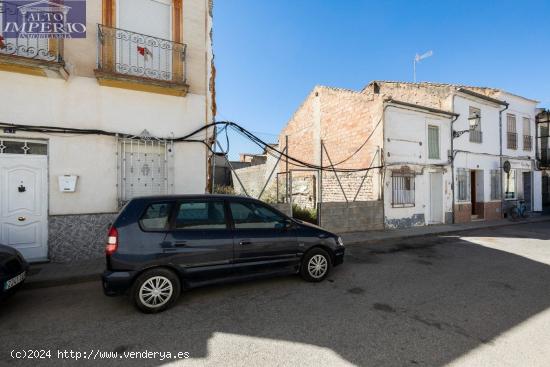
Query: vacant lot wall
(351,217)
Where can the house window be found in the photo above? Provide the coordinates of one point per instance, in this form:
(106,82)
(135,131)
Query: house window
(510,185)
(511,132)
(145,167)
(527,138)
(495,184)
(474,120)
(463,184)
(402,189)
(433,142)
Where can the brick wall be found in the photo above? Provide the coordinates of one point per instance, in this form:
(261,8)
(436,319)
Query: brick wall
(492,210)
(343,120)
(463,213)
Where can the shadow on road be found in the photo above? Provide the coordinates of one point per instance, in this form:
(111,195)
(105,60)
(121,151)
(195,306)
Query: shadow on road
(423,301)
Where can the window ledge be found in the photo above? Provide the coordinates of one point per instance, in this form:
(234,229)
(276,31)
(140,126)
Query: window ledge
(25,65)
(142,84)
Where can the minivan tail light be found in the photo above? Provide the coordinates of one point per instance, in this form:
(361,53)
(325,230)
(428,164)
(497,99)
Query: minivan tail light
(112,241)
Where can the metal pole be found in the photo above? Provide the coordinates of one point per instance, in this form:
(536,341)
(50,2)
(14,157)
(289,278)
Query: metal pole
(233,169)
(320,194)
(286,170)
(214,157)
(271,174)
(336,174)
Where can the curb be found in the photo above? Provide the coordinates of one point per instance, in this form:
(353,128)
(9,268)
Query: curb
(373,241)
(56,282)
(85,278)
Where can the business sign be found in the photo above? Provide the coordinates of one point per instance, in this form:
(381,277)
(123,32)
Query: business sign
(43,18)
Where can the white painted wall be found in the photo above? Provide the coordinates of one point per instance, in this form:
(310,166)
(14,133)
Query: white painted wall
(406,143)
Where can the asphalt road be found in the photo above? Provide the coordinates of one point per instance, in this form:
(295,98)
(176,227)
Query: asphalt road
(475,299)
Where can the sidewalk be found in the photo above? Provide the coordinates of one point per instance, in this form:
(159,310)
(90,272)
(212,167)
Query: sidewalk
(370,237)
(54,274)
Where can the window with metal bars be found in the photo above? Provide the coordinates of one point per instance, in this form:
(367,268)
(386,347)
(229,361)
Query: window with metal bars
(527,138)
(511,132)
(144,167)
(463,184)
(510,185)
(402,189)
(475,125)
(495,184)
(433,142)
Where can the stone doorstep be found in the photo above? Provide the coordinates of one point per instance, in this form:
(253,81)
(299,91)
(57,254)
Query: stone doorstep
(46,275)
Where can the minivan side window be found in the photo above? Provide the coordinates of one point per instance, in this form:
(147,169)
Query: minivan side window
(156,216)
(200,215)
(254,216)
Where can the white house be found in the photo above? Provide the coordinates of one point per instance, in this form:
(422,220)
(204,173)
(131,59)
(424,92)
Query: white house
(141,77)
(417,174)
(493,127)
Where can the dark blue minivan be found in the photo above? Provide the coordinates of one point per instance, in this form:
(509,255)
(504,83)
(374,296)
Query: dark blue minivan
(161,245)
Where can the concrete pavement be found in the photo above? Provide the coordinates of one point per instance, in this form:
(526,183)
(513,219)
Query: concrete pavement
(476,298)
(54,274)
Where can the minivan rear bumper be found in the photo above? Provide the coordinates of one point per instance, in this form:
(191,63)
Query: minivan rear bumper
(117,282)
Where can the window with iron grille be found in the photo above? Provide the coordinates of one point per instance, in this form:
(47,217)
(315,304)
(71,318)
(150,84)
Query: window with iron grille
(495,184)
(433,142)
(402,189)
(463,184)
(144,167)
(510,185)
(527,138)
(511,132)
(474,120)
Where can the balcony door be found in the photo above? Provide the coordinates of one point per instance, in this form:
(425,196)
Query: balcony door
(143,38)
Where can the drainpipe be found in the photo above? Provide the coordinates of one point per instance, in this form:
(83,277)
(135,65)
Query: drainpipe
(453,159)
(500,159)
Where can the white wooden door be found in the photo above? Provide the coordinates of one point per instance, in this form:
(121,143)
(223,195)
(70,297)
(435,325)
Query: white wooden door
(436,198)
(23,205)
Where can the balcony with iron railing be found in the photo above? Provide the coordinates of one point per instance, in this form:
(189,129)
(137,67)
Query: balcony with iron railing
(476,136)
(511,140)
(24,54)
(527,143)
(137,61)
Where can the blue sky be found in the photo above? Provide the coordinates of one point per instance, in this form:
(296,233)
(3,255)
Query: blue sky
(271,53)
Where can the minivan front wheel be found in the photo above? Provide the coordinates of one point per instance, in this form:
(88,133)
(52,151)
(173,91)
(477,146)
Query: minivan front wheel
(156,290)
(316,265)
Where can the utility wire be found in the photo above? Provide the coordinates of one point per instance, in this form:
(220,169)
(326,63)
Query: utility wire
(188,138)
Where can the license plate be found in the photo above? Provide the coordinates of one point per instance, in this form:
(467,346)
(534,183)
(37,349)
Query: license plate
(14,281)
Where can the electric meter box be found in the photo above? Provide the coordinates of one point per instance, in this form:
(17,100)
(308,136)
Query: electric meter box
(67,183)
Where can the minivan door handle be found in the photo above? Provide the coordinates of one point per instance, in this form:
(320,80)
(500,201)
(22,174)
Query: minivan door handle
(180,244)
(245,242)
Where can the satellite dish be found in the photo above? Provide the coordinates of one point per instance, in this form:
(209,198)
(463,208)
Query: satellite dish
(506,166)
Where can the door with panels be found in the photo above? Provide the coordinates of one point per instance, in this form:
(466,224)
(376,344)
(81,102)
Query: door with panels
(23,198)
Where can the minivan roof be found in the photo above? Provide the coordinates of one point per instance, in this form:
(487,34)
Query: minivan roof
(193,196)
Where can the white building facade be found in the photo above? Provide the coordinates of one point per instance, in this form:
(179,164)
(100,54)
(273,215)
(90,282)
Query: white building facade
(417,181)
(89,123)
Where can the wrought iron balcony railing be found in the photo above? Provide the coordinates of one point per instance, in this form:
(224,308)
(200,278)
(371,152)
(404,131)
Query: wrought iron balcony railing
(138,55)
(43,49)
(476,136)
(511,140)
(527,143)
(27,48)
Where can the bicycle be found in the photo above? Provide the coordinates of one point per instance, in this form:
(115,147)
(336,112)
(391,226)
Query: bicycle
(518,210)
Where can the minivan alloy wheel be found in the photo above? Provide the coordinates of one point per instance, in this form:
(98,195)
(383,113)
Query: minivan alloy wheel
(156,291)
(317,266)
